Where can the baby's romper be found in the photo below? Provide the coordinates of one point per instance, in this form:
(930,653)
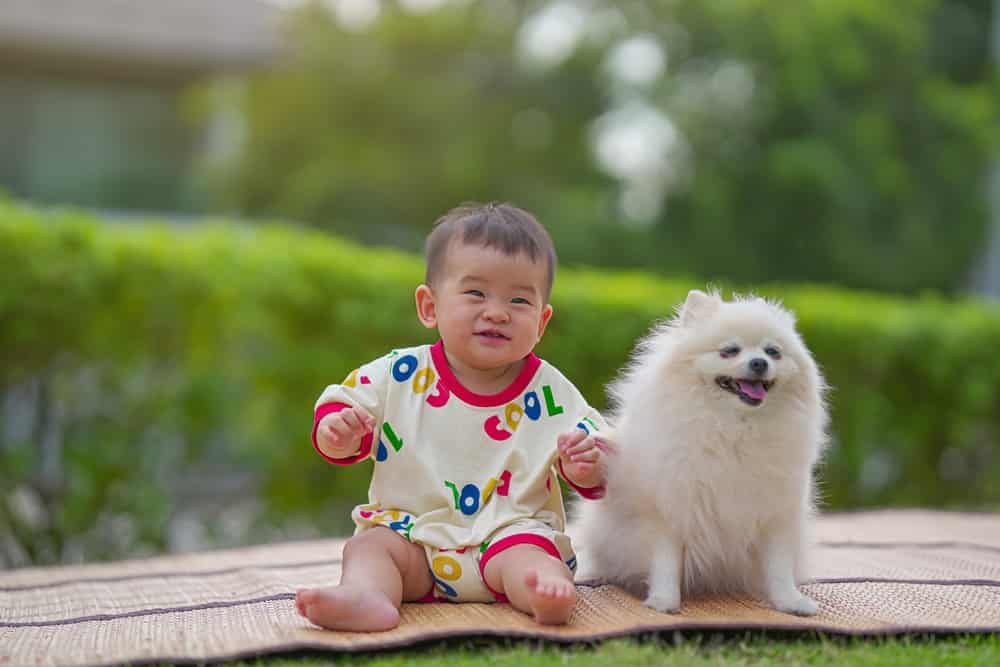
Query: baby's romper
(463,474)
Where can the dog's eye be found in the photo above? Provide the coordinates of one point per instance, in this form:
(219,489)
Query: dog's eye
(730,351)
(772,352)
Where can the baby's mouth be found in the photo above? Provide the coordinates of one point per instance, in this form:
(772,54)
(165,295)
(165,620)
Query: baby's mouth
(751,392)
(492,333)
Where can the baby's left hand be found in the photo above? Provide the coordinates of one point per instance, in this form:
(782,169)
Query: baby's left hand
(581,458)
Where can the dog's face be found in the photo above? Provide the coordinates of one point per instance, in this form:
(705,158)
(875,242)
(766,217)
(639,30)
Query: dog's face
(746,350)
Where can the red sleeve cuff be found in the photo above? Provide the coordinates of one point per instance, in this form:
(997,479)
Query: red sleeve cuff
(366,442)
(590,493)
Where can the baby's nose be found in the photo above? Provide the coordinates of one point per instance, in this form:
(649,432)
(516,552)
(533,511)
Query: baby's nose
(496,314)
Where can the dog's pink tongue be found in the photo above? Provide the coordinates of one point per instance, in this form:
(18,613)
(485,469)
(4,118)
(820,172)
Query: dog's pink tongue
(753,389)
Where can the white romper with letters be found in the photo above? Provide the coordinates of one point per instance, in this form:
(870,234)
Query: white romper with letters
(463,474)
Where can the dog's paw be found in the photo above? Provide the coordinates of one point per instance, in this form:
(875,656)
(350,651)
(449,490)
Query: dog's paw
(800,605)
(666,603)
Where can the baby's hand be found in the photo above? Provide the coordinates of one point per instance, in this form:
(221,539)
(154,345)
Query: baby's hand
(580,455)
(339,433)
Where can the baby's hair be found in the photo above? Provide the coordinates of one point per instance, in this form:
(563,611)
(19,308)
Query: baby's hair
(505,227)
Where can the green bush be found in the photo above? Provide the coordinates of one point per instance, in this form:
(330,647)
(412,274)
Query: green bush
(145,366)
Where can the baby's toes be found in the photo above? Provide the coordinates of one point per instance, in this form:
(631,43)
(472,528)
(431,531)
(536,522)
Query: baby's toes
(302,600)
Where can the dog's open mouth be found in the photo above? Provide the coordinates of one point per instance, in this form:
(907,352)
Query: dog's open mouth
(751,392)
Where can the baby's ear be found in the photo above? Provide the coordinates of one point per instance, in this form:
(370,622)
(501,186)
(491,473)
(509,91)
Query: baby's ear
(426,308)
(698,306)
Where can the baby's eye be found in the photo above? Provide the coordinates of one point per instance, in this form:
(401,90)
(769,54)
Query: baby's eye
(474,292)
(520,299)
(729,351)
(772,352)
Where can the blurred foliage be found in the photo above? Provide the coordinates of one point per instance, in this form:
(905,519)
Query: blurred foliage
(841,141)
(142,364)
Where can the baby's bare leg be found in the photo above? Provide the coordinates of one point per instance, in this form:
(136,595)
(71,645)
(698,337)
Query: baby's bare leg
(380,570)
(534,581)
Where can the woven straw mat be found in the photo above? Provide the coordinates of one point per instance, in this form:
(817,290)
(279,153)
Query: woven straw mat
(886,572)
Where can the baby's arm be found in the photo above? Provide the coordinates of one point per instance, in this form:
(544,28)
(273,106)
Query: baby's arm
(347,414)
(339,434)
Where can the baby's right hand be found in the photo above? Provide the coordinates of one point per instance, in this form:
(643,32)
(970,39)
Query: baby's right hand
(339,433)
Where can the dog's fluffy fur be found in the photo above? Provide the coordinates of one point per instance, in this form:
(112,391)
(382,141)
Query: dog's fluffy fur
(710,483)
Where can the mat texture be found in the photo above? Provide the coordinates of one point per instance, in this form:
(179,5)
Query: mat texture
(875,573)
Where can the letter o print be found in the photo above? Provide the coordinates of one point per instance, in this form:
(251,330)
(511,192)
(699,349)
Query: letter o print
(447,568)
(404,368)
(423,380)
(532,406)
(513,413)
(468,501)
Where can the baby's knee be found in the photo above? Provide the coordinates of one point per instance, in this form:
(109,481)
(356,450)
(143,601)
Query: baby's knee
(522,558)
(377,537)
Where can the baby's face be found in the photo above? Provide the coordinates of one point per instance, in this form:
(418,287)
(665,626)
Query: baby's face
(491,308)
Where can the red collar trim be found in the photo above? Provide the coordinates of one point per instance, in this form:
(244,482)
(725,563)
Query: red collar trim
(520,383)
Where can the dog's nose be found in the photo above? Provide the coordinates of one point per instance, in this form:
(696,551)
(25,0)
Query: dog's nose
(758,365)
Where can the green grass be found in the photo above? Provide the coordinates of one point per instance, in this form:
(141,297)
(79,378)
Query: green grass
(687,651)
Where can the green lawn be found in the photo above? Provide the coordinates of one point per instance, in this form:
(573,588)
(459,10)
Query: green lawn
(981,650)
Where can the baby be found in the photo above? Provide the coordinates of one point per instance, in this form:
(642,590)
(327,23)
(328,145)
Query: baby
(468,436)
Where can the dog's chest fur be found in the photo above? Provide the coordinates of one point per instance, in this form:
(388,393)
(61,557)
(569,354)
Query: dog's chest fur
(716,485)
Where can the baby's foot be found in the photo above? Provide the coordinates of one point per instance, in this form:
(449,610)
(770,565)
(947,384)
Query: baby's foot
(553,597)
(347,607)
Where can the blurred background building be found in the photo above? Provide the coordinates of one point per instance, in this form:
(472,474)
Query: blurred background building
(987,278)
(91,95)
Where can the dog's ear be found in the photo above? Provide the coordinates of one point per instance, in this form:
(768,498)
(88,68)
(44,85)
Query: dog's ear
(697,306)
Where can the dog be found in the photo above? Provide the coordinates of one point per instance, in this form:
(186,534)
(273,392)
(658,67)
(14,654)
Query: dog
(718,422)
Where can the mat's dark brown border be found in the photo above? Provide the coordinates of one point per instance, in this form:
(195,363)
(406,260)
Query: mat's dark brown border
(555,639)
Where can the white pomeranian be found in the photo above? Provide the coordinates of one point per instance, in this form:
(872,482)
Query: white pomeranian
(719,420)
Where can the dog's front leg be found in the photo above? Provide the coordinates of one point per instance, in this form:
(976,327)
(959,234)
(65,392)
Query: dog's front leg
(665,571)
(781,546)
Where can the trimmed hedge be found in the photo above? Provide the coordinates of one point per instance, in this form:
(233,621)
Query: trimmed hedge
(135,357)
